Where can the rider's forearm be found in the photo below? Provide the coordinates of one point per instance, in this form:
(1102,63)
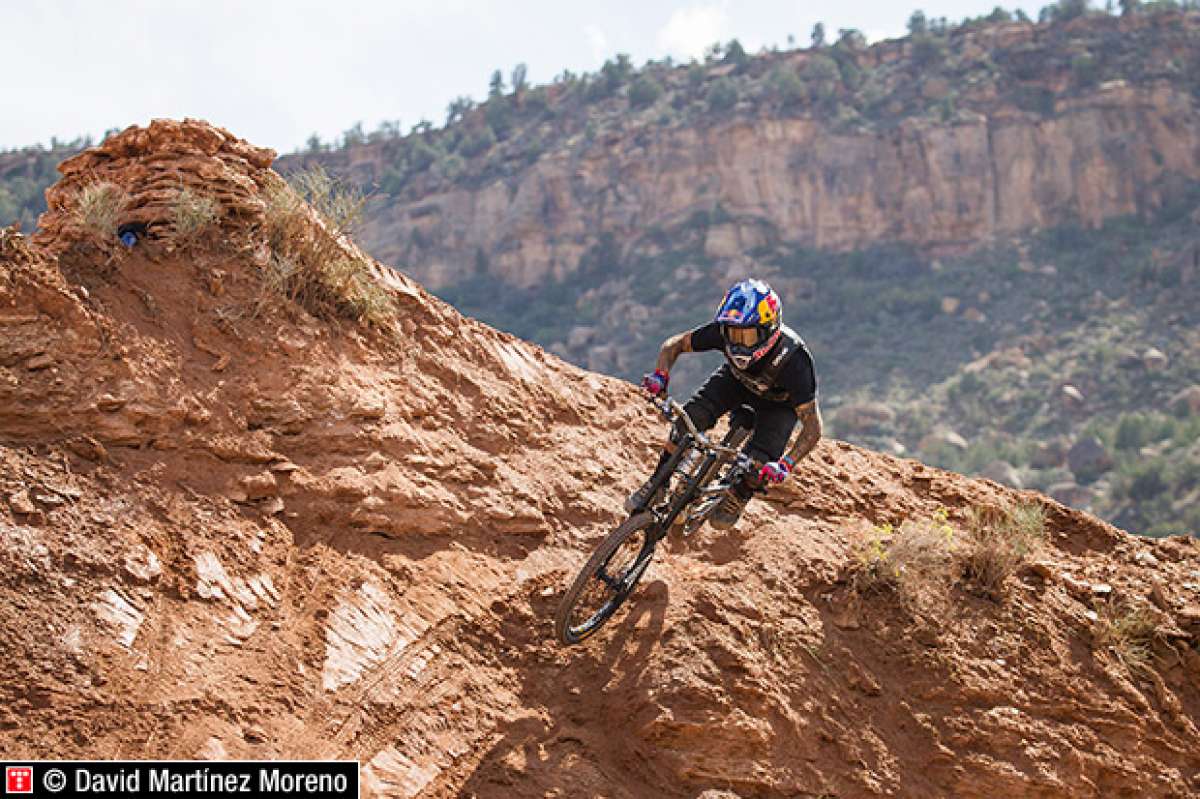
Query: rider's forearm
(672,348)
(810,431)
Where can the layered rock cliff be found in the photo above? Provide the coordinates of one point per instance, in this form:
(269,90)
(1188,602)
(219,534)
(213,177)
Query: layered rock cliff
(232,528)
(1009,129)
(1115,151)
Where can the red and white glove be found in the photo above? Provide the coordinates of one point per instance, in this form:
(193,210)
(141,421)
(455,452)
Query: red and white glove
(656,383)
(776,472)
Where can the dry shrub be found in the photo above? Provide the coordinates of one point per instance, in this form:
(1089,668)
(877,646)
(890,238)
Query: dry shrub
(304,223)
(99,208)
(192,215)
(915,558)
(998,540)
(1128,632)
(339,206)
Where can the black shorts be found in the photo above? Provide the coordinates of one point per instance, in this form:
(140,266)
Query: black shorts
(722,393)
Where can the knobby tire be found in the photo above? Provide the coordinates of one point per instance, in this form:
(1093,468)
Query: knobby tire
(630,527)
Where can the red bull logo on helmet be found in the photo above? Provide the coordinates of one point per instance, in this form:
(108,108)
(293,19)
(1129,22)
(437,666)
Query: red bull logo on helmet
(731,315)
(768,309)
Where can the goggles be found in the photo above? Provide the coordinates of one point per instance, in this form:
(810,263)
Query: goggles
(742,336)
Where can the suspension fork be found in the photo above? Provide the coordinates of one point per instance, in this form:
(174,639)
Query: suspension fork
(685,497)
(664,474)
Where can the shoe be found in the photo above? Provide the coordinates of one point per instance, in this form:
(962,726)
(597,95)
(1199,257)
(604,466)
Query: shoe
(642,498)
(726,514)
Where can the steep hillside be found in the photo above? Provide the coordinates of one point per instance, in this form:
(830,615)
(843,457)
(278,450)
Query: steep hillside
(241,519)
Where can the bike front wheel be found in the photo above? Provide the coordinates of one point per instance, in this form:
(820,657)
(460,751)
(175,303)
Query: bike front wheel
(607,579)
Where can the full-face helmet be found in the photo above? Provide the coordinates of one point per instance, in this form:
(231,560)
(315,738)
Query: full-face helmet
(750,316)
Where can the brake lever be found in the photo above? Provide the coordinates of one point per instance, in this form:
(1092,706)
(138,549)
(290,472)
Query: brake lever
(661,405)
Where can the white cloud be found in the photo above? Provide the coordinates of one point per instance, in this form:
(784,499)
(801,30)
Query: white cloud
(690,30)
(876,35)
(598,42)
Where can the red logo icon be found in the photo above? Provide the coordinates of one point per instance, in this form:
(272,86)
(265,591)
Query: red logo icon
(18,779)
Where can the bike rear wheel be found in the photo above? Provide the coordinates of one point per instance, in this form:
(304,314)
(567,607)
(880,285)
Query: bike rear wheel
(609,576)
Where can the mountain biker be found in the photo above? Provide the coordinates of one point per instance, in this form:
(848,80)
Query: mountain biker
(768,367)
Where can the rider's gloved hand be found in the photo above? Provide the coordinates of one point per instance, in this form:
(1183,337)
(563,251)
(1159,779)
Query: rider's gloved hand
(776,471)
(656,383)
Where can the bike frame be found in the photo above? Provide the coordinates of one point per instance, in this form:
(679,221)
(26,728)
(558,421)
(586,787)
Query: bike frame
(694,437)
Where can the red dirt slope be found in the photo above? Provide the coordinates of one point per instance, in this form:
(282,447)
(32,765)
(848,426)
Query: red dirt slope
(231,529)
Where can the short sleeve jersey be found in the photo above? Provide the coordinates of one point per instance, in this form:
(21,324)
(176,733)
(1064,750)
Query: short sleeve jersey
(798,378)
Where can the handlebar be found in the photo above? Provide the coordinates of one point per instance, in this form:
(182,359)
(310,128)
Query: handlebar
(674,412)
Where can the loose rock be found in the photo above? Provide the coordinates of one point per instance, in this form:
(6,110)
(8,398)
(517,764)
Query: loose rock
(1186,402)
(20,502)
(1072,397)
(942,438)
(1088,459)
(1004,473)
(1155,360)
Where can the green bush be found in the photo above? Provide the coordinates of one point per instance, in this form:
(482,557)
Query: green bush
(821,76)
(1147,480)
(392,182)
(785,86)
(22,189)
(928,50)
(1136,430)
(735,54)
(536,101)
(644,91)
(500,117)
(1037,99)
(451,167)
(9,207)
(849,71)
(699,219)
(477,141)
(722,95)
(1064,10)
(1085,69)
(422,155)
(612,76)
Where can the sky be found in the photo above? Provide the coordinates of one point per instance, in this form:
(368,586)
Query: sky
(276,71)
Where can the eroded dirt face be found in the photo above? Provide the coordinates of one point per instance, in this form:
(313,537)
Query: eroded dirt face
(229,529)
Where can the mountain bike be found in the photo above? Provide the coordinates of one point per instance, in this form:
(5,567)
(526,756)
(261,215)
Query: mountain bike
(696,478)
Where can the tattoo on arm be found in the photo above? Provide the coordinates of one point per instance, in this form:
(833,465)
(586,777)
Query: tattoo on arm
(810,431)
(672,348)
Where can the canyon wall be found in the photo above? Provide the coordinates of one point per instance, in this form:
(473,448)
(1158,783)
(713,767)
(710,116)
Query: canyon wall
(1118,150)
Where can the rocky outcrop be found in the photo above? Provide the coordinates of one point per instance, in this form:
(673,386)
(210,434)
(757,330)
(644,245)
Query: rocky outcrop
(799,181)
(189,155)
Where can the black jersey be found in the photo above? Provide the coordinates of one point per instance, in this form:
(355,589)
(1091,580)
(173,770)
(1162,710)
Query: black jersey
(786,374)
